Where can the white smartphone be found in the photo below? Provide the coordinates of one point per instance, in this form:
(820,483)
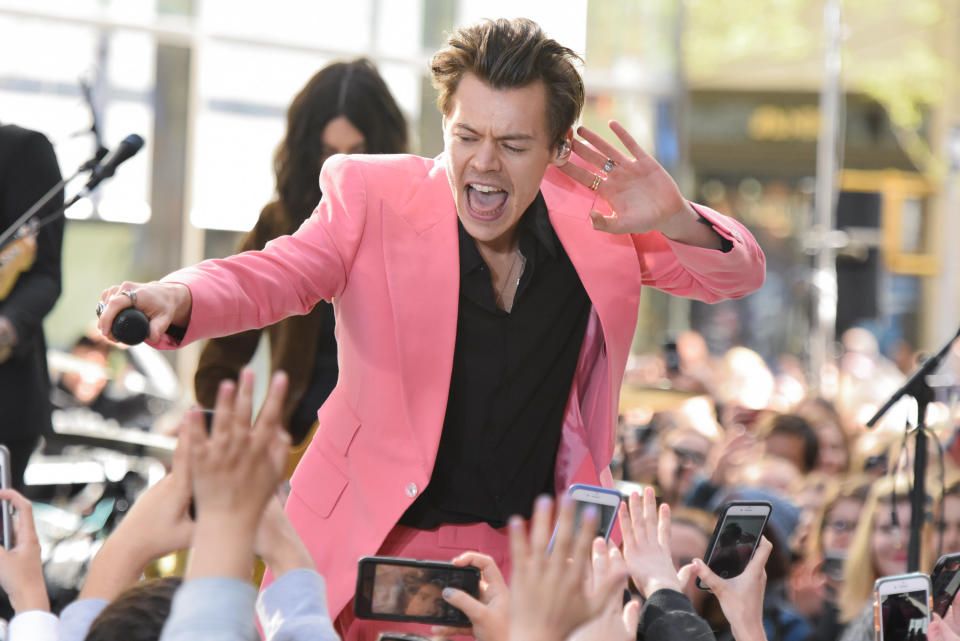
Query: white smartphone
(735,538)
(5,508)
(901,607)
(606,502)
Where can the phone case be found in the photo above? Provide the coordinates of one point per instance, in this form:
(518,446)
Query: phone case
(363,608)
(912,631)
(6,515)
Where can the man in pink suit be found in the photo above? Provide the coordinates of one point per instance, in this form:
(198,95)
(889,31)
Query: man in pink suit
(486,301)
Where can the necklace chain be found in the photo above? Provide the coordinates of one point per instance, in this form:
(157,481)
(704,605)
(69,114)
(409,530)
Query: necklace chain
(506,282)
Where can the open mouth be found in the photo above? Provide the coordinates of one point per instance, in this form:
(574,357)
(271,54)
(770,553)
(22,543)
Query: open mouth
(486,202)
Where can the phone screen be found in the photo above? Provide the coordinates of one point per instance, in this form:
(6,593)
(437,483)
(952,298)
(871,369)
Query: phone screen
(946,580)
(904,616)
(413,591)
(735,542)
(605,516)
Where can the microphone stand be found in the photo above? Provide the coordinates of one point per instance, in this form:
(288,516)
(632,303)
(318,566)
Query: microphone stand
(90,165)
(917,387)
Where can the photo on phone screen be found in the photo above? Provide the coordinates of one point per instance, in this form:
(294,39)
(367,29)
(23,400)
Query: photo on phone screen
(5,507)
(902,607)
(945,580)
(735,538)
(409,590)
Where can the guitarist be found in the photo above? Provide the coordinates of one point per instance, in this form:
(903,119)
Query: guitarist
(28,168)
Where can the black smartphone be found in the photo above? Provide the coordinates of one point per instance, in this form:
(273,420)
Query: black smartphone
(735,538)
(401,636)
(392,589)
(5,507)
(945,580)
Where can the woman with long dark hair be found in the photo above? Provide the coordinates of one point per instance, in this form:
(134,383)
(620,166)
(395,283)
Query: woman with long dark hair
(345,108)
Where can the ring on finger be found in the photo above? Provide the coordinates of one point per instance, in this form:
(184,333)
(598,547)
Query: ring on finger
(131,294)
(596,182)
(100,308)
(609,165)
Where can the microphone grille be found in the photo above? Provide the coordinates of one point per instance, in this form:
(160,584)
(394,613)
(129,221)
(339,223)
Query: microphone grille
(131,326)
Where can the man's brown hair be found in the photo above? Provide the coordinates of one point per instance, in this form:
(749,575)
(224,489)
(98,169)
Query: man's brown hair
(509,54)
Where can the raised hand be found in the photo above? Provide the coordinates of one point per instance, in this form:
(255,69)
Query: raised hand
(646,543)
(741,598)
(235,471)
(21,571)
(490,614)
(616,622)
(549,595)
(641,194)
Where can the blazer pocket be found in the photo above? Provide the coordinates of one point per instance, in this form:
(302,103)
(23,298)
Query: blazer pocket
(337,424)
(321,478)
(317,481)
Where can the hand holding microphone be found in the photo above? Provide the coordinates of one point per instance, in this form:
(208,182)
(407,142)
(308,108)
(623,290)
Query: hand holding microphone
(133,312)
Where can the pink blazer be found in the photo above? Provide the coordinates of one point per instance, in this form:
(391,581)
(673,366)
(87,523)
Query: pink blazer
(383,246)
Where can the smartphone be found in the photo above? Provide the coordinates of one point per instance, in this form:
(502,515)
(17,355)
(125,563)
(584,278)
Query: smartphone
(5,507)
(401,636)
(945,580)
(901,607)
(606,502)
(735,538)
(392,589)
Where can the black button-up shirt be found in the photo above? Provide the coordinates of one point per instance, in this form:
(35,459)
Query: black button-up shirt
(511,378)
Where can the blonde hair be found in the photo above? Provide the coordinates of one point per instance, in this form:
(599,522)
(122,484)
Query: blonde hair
(854,488)
(859,571)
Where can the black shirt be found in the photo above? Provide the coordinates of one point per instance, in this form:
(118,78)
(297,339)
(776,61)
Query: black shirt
(511,378)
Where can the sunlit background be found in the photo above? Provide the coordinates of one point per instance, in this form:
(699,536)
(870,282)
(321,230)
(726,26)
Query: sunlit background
(726,95)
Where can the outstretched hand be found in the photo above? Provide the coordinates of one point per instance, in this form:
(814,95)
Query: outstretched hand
(235,472)
(549,593)
(164,304)
(490,614)
(616,622)
(21,571)
(641,194)
(646,543)
(740,597)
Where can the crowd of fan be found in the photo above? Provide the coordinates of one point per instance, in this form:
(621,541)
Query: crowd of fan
(840,520)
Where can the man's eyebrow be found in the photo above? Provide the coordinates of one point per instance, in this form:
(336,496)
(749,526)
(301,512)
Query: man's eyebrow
(511,136)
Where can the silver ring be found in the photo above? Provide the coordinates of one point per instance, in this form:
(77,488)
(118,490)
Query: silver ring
(609,165)
(596,182)
(100,308)
(131,294)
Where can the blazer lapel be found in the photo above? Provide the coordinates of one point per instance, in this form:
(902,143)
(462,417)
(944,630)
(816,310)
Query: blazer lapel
(606,263)
(422,259)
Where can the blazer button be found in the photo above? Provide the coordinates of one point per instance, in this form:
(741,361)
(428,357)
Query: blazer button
(412,489)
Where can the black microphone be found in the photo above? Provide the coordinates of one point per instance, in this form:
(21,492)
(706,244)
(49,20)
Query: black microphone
(131,326)
(127,148)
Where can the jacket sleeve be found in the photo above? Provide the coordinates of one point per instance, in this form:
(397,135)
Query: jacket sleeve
(668,615)
(709,275)
(212,608)
(294,608)
(292,273)
(33,173)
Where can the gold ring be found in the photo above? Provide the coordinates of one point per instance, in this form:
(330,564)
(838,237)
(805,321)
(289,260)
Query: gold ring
(131,294)
(609,165)
(596,182)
